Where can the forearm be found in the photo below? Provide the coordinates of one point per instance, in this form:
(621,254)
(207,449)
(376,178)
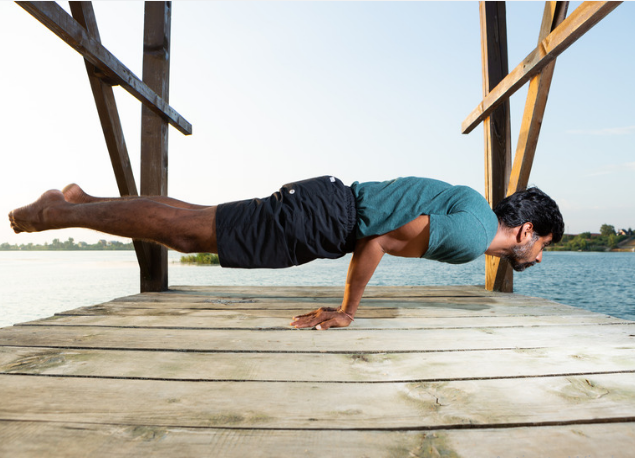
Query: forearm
(366,257)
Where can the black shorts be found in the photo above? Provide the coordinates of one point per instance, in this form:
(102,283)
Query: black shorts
(306,220)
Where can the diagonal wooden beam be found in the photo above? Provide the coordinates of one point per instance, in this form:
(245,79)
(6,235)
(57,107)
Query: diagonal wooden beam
(497,128)
(106,105)
(577,24)
(539,86)
(51,15)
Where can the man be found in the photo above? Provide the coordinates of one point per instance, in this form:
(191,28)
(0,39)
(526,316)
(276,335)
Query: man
(320,218)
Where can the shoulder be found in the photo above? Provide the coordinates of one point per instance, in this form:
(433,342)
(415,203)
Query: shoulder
(459,237)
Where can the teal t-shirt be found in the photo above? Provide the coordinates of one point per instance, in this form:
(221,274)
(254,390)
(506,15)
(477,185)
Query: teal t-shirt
(462,224)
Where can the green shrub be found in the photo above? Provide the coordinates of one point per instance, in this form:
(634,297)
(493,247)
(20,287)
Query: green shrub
(201,258)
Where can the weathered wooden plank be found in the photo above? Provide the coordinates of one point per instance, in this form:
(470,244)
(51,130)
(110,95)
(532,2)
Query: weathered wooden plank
(251,301)
(38,440)
(351,339)
(369,308)
(64,26)
(258,295)
(325,367)
(456,404)
(330,291)
(221,319)
(577,24)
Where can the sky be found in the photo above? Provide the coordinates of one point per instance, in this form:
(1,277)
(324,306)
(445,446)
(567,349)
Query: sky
(282,91)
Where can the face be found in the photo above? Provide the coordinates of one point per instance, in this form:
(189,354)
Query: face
(529,253)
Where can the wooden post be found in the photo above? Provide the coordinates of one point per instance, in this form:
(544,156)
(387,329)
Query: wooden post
(154,129)
(498,273)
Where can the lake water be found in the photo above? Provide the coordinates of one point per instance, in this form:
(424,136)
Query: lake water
(39,284)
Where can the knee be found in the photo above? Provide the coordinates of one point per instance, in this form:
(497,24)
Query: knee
(197,235)
(195,243)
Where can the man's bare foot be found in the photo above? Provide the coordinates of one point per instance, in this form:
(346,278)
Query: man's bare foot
(76,195)
(34,217)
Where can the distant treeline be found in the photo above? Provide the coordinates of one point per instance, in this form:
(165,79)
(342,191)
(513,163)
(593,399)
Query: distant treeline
(608,239)
(69,245)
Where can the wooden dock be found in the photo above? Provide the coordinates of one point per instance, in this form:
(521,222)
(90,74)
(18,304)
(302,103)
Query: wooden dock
(217,371)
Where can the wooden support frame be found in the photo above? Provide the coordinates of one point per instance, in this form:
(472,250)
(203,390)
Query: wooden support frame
(154,129)
(104,70)
(51,15)
(556,34)
(577,24)
(497,128)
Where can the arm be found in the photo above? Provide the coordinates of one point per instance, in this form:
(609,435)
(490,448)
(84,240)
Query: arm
(410,240)
(368,252)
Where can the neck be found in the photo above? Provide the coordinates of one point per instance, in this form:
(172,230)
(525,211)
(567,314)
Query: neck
(503,242)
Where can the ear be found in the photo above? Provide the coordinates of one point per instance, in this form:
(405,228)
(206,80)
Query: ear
(525,232)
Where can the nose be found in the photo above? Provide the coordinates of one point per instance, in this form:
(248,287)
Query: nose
(539,257)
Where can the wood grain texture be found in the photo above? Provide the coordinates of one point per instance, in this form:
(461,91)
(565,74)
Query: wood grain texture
(316,367)
(264,405)
(352,339)
(84,439)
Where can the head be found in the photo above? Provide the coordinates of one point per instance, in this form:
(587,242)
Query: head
(534,217)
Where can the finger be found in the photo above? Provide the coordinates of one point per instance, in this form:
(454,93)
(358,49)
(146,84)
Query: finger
(324,325)
(305,323)
(310,321)
(307,317)
(314,313)
(311,314)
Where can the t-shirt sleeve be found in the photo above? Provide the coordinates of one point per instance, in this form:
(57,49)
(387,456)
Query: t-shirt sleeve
(456,238)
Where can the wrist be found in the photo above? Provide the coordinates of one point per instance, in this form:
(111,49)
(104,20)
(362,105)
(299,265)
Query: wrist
(339,310)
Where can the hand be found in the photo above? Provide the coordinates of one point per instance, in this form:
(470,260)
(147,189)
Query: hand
(322,319)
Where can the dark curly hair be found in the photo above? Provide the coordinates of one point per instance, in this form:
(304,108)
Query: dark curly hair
(532,206)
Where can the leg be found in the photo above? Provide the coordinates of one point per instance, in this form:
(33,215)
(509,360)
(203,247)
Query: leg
(76,195)
(182,229)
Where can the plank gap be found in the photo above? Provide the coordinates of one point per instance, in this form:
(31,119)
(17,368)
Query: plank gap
(448,427)
(323,382)
(318,352)
(284,328)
